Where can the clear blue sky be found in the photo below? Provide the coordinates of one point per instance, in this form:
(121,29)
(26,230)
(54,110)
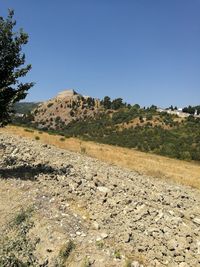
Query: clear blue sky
(145,51)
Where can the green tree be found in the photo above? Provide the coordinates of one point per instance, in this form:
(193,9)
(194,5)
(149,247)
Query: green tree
(117,103)
(12,67)
(153,107)
(136,106)
(90,102)
(106,102)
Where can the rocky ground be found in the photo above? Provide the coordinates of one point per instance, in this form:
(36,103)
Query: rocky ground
(59,208)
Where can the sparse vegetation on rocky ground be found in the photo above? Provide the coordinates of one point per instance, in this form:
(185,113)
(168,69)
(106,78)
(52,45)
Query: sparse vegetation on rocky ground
(64,254)
(115,217)
(16,248)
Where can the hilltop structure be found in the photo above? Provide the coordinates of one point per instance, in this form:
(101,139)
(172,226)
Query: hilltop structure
(68,93)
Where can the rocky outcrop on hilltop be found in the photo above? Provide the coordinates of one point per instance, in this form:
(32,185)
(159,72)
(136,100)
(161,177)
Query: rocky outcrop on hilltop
(107,216)
(67,106)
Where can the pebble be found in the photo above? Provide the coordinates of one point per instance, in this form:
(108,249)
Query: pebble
(157,219)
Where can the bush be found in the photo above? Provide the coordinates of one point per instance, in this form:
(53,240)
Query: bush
(64,254)
(86,262)
(37,138)
(83,150)
(185,155)
(29,130)
(20,217)
(49,105)
(149,117)
(141,119)
(117,254)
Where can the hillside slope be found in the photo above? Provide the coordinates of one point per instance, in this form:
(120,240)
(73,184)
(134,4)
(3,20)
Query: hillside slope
(85,211)
(25,107)
(118,123)
(62,109)
(182,172)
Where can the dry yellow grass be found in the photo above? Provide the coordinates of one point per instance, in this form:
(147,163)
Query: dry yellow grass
(187,173)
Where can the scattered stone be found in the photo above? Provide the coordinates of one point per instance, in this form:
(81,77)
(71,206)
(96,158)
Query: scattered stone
(196,220)
(95,226)
(103,189)
(183,264)
(153,218)
(104,235)
(135,264)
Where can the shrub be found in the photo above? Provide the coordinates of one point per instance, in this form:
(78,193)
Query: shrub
(28,130)
(24,214)
(128,263)
(57,119)
(141,119)
(185,155)
(67,249)
(37,138)
(64,254)
(83,150)
(100,244)
(86,262)
(149,117)
(117,254)
(20,217)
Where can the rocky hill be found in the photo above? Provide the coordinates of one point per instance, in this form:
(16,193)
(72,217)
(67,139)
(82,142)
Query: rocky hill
(62,109)
(60,208)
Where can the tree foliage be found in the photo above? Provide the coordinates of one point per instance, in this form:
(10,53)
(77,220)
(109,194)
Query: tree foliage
(191,110)
(106,102)
(12,68)
(117,103)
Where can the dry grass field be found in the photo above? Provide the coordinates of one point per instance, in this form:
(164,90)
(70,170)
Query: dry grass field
(187,173)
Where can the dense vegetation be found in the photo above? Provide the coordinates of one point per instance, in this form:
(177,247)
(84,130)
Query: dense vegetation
(192,110)
(129,126)
(24,107)
(180,140)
